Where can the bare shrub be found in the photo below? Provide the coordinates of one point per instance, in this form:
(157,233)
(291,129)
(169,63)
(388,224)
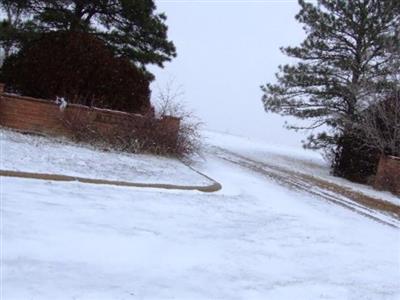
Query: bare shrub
(169,103)
(82,130)
(159,134)
(154,136)
(380,125)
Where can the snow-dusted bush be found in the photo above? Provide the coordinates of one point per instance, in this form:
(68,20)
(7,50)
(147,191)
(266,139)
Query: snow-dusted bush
(169,102)
(149,135)
(169,129)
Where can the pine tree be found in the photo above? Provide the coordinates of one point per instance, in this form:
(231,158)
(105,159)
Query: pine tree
(131,28)
(343,63)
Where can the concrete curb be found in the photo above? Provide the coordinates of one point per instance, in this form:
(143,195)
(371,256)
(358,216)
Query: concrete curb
(57,177)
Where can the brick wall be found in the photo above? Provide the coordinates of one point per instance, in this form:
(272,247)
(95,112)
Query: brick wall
(43,116)
(388,174)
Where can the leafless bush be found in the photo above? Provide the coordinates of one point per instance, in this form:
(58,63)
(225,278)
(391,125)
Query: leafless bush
(169,103)
(156,134)
(82,130)
(380,125)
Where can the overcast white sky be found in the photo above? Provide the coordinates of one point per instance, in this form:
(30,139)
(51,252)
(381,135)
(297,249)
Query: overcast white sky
(226,50)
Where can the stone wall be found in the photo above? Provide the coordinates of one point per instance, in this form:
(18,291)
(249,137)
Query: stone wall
(42,116)
(388,174)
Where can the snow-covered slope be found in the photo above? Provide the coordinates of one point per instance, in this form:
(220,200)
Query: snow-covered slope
(20,152)
(254,239)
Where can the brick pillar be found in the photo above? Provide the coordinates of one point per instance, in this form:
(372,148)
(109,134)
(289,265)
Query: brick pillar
(171,127)
(388,174)
(2,85)
(172,123)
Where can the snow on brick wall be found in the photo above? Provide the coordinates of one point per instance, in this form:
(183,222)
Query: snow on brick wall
(43,116)
(388,175)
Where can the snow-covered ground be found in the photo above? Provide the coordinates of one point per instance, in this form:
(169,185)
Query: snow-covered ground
(254,239)
(294,159)
(27,153)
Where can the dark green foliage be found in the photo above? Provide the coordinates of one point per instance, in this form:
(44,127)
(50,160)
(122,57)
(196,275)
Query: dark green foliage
(357,153)
(353,160)
(131,28)
(344,62)
(80,68)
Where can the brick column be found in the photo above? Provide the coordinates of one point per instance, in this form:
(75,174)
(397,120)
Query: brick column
(388,174)
(172,123)
(171,126)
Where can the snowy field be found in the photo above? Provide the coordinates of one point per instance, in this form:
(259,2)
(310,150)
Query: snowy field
(254,239)
(27,153)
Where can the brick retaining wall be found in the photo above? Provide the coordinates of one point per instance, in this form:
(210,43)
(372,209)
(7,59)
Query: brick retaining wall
(388,175)
(43,116)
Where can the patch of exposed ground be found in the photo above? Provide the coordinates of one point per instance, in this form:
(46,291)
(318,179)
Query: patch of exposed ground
(215,186)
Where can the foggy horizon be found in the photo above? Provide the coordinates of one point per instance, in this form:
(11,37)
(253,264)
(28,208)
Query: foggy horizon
(226,51)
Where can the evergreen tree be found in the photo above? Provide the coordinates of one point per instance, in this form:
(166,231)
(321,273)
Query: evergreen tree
(345,60)
(131,28)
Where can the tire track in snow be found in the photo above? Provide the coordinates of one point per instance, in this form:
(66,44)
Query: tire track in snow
(374,208)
